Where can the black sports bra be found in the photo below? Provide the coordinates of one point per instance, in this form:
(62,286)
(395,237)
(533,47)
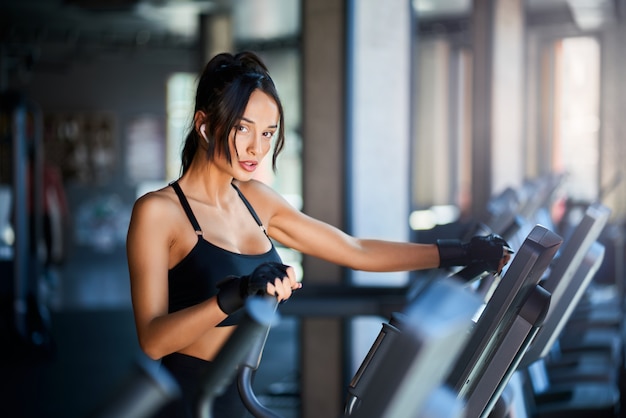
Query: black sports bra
(194,279)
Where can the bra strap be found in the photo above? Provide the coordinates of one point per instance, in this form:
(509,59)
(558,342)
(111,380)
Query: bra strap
(250,208)
(186,207)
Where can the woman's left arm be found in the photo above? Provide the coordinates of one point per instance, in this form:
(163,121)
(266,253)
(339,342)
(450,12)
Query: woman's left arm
(313,237)
(308,235)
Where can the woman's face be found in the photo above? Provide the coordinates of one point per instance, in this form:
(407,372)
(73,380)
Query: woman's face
(251,139)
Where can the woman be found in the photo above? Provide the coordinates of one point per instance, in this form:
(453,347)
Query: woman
(198,247)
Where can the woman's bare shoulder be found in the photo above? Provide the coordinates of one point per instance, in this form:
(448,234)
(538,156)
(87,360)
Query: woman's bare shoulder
(157,203)
(267,202)
(262,196)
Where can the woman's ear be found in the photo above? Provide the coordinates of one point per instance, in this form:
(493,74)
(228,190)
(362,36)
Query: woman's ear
(199,119)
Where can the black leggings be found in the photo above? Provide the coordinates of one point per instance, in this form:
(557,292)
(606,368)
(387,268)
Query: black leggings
(188,371)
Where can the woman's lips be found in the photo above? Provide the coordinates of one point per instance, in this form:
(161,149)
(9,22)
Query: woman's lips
(248,165)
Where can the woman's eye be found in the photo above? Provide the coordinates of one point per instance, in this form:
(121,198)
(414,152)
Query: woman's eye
(242,128)
(268,135)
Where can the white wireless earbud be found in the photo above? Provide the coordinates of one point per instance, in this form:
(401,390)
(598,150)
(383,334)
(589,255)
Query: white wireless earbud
(203,133)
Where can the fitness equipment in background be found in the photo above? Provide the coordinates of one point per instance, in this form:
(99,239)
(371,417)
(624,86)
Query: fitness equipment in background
(403,374)
(22,254)
(506,326)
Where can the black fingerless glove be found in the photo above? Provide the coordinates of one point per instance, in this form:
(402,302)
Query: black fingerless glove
(234,290)
(484,251)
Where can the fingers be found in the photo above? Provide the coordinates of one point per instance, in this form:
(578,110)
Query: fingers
(501,266)
(504,261)
(293,280)
(282,287)
(282,290)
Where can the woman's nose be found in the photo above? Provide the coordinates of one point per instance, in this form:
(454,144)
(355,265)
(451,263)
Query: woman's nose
(255,145)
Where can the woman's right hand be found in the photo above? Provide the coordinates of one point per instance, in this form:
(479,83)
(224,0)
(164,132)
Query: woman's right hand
(283,287)
(269,278)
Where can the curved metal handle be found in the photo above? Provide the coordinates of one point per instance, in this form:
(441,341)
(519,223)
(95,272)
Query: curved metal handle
(246,373)
(260,314)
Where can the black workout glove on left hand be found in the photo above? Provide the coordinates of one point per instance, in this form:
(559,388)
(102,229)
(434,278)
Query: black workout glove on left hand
(234,290)
(487,251)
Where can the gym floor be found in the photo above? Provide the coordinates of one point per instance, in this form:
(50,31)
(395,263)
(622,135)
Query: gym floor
(93,348)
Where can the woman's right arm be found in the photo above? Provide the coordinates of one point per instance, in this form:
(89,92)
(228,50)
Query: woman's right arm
(150,238)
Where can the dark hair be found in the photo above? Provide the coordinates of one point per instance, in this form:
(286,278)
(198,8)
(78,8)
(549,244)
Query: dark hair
(223,92)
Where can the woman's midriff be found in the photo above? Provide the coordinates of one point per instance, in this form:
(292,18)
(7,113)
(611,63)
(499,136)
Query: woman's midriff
(209,345)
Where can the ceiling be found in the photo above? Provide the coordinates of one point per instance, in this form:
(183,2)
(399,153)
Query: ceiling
(52,33)
(143,21)
(36,29)
(585,14)
(134,21)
